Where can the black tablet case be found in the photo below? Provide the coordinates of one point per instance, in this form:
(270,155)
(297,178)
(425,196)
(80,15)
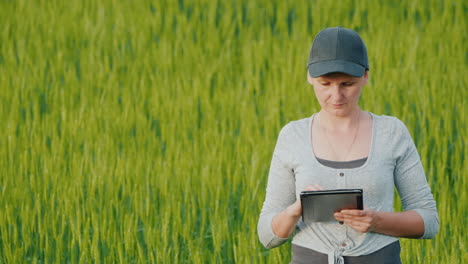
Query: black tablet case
(319,206)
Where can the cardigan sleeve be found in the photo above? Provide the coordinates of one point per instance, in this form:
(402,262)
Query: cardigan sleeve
(280,191)
(411,182)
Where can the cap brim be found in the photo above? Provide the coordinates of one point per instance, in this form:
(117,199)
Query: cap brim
(325,67)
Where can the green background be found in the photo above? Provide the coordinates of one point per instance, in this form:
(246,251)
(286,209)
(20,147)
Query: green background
(142,131)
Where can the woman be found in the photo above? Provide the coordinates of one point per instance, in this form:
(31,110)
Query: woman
(343,147)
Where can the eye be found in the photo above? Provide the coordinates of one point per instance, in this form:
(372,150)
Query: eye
(325,83)
(346,84)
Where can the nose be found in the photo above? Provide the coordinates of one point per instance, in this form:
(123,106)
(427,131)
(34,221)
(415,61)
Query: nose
(336,92)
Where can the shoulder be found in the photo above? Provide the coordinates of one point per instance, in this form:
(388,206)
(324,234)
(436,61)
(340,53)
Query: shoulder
(390,124)
(387,120)
(293,133)
(393,135)
(296,128)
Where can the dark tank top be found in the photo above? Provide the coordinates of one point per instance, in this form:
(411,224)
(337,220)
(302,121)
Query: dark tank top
(389,254)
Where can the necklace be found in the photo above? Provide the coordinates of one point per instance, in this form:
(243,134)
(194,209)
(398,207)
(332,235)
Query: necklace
(352,143)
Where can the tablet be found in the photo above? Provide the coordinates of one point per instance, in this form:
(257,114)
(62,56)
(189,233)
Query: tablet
(319,206)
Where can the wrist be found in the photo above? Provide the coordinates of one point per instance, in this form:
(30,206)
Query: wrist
(377,221)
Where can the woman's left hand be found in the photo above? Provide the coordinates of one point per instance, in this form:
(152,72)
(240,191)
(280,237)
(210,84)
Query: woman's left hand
(362,220)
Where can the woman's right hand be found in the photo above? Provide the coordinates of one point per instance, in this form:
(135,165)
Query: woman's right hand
(295,209)
(285,222)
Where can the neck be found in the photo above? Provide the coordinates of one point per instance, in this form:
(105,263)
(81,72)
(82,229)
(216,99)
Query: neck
(333,122)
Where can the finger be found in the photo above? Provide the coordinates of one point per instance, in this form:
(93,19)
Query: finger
(361,227)
(354,224)
(350,222)
(353,212)
(313,187)
(339,217)
(358,225)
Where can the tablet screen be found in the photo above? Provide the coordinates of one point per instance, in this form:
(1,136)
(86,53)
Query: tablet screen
(319,206)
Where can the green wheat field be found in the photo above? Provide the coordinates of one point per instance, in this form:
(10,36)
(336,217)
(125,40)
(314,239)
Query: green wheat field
(142,131)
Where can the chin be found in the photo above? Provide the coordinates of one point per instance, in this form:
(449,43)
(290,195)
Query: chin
(339,112)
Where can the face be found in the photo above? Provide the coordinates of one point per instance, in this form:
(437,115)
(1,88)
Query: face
(338,93)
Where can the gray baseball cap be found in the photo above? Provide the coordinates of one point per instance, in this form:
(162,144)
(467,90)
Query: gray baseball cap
(338,49)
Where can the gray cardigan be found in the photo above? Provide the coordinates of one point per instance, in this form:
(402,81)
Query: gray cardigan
(393,161)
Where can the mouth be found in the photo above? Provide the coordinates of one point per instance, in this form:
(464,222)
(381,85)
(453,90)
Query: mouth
(337,105)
